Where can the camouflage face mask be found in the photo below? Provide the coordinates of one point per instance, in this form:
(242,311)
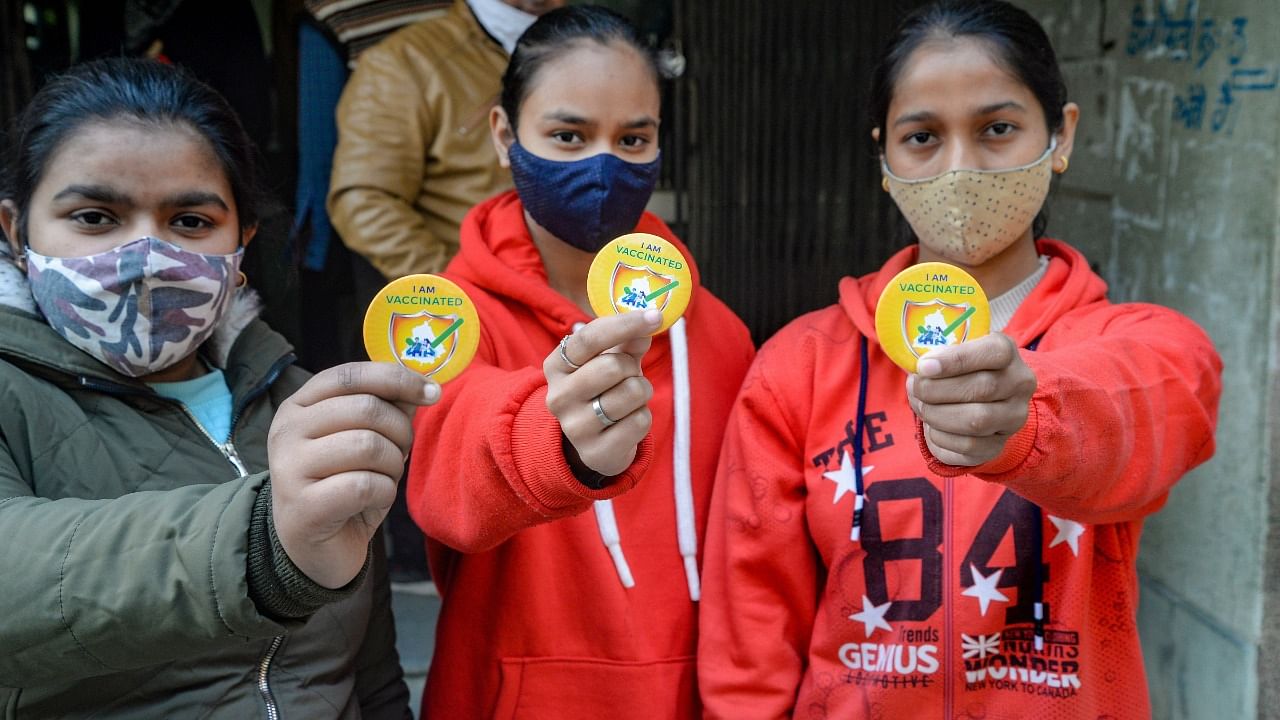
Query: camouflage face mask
(140,307)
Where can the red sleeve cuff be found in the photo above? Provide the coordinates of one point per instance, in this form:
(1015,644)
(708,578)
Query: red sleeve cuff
(1016,451)
(543,474)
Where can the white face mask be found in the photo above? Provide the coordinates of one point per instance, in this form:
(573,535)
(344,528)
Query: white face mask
(505,23)
(139,307)
(970,216)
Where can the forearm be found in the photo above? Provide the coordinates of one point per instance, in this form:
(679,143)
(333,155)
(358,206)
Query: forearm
(104,585)
(488,462)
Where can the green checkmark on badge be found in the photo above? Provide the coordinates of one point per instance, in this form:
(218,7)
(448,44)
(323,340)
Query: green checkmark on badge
(661,291)
(447,332)
(959,321)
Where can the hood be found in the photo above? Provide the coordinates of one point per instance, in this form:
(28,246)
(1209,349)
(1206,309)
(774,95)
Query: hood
(1068,283)
(27,335)
(497,254)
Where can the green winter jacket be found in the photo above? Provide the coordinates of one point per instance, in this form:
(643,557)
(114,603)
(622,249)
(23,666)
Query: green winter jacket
(125,543)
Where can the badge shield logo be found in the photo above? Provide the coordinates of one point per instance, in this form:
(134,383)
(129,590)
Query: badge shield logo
(417,342)
(924,325)
(631,287)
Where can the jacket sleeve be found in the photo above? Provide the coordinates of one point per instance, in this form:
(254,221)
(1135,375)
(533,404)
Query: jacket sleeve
(384,130)
(1117,417)
(760,573)
(97,586)
(487,461)
(380,682)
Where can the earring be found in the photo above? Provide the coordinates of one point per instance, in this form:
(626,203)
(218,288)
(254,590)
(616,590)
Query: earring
(1065,164)
(244,279)
(884,182)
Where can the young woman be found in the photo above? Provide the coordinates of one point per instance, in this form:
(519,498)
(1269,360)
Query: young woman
(552,610)
(187,517)
(959,542)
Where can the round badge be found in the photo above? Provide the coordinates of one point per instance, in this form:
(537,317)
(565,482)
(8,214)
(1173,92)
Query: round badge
(424,322)
(928,306)
(640,271)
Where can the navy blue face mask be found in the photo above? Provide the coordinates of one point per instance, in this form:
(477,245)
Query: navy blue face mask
(587,202)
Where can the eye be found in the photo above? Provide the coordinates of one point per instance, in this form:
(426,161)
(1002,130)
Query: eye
(567,137)
(93,219)
(1000,129)
(634,142)
(190,223)
(921,137)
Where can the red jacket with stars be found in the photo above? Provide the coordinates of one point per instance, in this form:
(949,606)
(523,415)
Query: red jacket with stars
(535,623)
(932,611)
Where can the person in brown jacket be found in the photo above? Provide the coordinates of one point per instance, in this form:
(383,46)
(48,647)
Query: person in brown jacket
(413,150)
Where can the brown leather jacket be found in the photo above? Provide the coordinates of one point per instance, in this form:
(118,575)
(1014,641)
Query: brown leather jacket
(414,153)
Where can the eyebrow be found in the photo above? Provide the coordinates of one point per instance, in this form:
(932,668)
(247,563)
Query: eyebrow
(641,122)
(925,115)
(194,198)
(97,193)
(111,196)
(566,117)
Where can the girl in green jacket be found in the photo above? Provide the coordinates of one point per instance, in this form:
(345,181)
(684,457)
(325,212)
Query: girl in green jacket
(187,517)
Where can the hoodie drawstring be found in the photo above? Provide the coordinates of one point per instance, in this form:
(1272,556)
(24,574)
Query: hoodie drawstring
(608,524)
(855,532)
(1037,536)
(686,521)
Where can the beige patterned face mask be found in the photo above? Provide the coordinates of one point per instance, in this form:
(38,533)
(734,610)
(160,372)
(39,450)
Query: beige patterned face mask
(970,216)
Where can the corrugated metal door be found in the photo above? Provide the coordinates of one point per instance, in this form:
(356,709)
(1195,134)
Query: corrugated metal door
(780,182)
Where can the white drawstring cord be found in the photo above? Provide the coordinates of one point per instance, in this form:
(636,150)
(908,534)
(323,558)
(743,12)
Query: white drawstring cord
(608,524)
(686,523)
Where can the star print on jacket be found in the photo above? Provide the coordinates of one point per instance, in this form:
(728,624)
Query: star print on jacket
(872,616)
(984,588)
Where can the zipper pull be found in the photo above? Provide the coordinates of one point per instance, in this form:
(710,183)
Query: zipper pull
(229,449)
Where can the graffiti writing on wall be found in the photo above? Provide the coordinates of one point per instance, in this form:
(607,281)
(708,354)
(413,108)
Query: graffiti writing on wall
(1185,37)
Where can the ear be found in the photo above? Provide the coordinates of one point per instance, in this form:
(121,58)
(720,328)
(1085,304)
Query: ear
(502,135)
(247,235)
(1067,135)
(9,224)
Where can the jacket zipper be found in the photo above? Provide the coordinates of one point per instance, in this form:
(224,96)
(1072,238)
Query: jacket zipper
(228,450)
(264,669)
(948,527)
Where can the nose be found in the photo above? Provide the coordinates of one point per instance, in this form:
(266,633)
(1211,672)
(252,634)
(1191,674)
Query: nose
(962,155)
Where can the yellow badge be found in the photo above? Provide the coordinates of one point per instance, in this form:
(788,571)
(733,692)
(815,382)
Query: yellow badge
(424,322)
(640,271)
(928,306)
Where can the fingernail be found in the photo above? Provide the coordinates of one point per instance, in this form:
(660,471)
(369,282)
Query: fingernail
(653,317)
(929,367)
(432,391)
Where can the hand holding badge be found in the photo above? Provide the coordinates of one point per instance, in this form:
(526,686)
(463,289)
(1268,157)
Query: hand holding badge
(640,271)
(425,323)
(929,306)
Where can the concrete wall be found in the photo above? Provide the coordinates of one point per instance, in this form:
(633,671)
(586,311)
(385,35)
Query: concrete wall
(1173,193)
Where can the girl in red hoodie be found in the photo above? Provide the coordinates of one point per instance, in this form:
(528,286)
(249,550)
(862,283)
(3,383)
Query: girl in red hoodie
(959,542)
(565,543)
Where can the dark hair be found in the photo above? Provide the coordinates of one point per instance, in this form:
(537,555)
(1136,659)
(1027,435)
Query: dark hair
(554,34)
(1016,40)
(134,90)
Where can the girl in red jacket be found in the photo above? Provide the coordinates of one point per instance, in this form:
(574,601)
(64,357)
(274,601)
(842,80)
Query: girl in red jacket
(564,486)
(958,542)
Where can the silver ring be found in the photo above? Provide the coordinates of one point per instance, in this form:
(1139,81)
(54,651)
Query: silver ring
(599,410)
(565,356)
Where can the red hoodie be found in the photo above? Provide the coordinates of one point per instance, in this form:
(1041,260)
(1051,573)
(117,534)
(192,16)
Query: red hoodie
(932,611)
(536,622)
